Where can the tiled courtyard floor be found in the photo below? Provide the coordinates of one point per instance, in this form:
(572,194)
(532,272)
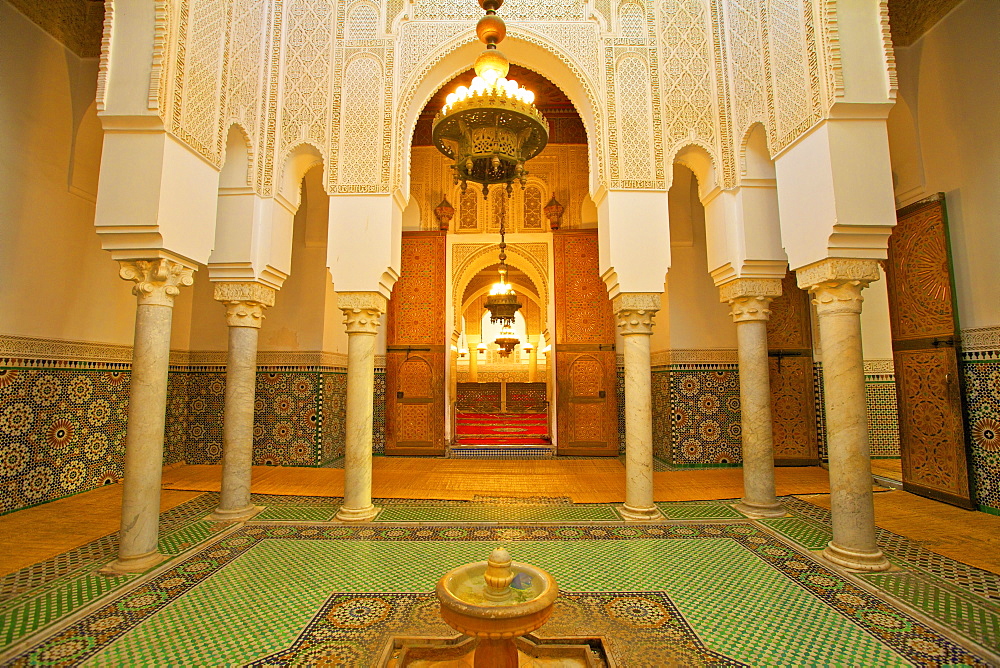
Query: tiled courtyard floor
(704,587)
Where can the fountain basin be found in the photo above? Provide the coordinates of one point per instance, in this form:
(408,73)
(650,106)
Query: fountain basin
(465,605)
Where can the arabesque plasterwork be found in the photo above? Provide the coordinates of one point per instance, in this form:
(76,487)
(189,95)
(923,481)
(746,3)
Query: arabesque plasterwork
(342,75)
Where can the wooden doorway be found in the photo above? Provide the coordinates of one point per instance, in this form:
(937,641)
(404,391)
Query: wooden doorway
(790,353)
(586,372)
(415,349)
(926,346)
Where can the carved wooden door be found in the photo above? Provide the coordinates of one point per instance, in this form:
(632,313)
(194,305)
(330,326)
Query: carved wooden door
(586,402)
(925,347)
(415,349)
(789,348)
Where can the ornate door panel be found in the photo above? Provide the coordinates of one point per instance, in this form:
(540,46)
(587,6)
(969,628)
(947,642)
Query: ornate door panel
(925,345)
(586,401)
(793,408)
(415,349)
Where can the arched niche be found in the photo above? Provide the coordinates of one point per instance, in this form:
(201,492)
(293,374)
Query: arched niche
(235,172)
(755,158)
(700,160)
(297,162)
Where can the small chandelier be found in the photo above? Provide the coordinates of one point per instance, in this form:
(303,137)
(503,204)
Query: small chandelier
(507,340)
(491,128)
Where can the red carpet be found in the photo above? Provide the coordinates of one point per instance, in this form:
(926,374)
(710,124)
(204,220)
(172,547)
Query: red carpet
(502,429)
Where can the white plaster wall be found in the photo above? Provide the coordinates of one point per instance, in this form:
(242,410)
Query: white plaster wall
(950,80)
(55,281)
(205,323)
(876,337)
(304,308)
(694,318)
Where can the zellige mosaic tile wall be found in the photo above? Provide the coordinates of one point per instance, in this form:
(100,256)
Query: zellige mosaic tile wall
(62,430)
(982,404)
(696,415)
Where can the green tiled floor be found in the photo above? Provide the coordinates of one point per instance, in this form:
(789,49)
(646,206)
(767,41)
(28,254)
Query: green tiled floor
(297,513)
(807,534)
(972,616)
(699,511)
(737,590)
(277,586)
(499,513)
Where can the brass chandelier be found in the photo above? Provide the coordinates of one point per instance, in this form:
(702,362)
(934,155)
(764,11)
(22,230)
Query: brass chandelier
(491,129)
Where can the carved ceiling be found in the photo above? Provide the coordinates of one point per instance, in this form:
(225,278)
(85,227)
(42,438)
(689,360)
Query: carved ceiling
(910,19)
(76,24)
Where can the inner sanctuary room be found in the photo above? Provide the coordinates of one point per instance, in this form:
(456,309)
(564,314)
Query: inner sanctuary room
(498,333)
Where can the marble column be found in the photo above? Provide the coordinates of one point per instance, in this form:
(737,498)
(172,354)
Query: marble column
(245,303)
(750,301)
(362,313)
(835,286)
(634,312)
(533,359)
(472,342)
(157,282)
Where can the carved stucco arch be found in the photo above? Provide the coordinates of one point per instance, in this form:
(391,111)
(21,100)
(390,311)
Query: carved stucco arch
(703,163)
(522,46)
(486,256)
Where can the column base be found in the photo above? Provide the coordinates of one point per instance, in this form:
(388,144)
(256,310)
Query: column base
(133,565)
(356,514)
(238,515)
(855,560)
(760,511)
(631,514)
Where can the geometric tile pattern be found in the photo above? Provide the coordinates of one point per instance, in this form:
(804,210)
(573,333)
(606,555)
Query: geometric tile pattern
(883,417)
(333,416)
(620,393)
(965,613)
(643,628)
(62,432)
(38,595)
(982,406)
(378,417)
(963,577)
(710,575)
(705,417)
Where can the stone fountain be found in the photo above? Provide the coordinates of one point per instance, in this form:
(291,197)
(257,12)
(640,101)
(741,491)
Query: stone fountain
(496,601)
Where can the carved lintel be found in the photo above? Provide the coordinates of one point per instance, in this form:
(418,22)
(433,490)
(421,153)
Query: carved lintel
(836,283)
(157,281)
(635,311)
(750,287)
(837,269)
(245,302)
(362,311)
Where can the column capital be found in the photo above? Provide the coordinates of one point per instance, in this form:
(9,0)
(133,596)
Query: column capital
(245,302)
(157,281)
(362,311)
(635,311)
(750,298)
(836,283)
